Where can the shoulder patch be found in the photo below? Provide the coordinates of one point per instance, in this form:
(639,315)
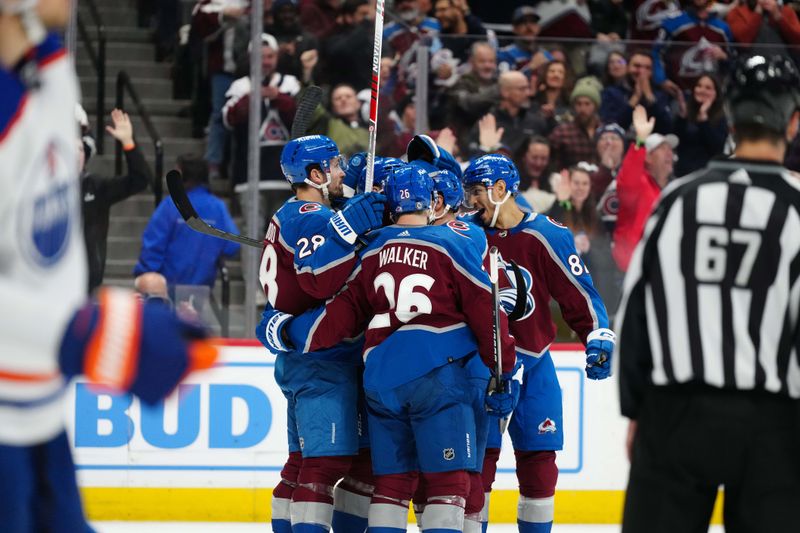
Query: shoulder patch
(310,207)
(459,227)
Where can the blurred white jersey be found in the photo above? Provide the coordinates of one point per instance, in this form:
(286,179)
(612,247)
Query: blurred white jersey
(42,254)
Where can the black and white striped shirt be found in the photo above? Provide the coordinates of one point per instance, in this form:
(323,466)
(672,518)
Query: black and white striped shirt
(713,290)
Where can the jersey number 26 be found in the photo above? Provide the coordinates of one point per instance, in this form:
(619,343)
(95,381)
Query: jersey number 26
(405,302)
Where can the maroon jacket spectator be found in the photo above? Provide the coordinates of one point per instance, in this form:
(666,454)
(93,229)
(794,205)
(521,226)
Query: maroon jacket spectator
(277,93)
(764,22)
(318,17)
(564,18)
(573,141)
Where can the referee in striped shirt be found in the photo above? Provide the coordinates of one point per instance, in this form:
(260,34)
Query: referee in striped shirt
(708,345)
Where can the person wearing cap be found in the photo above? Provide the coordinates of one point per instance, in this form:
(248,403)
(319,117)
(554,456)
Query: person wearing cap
(610,142)
(216,20)
(573,141)
(646,170)
(523,53)
(618,100)
(277,92)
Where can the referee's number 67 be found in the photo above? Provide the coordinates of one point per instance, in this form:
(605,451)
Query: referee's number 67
(711,256)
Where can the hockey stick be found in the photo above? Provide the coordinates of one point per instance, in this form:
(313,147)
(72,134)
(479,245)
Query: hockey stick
(374,93)
(305,109)
(181,200)
(494,267)
(302,120)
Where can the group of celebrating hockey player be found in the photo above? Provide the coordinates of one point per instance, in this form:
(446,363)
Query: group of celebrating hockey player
(380,313)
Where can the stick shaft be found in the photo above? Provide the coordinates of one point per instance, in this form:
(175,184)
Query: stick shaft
(494,267)
(374,94)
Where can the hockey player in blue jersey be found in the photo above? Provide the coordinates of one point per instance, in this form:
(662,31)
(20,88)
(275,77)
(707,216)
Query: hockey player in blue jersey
(49,333)
(545,249)
(309,252)
(425,300)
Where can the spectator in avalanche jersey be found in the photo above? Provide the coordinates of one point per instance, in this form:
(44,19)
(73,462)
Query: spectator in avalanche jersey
(523,53)
(647,16)
(399,37)
(690,44)
(277,93)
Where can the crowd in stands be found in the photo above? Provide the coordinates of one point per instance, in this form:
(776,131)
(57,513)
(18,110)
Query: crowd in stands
(599,102)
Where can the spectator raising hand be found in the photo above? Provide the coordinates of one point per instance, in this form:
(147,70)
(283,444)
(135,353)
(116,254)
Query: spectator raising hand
(489,135)
(642,124)
(122,129)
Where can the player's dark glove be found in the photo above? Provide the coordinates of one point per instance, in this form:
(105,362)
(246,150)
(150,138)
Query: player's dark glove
(502,403)
(270,330)
(128,345)
(599,348)
(361,214)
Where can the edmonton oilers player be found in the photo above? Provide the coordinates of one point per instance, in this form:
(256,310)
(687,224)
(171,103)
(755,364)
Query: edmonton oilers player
(545,249)
(48,332)
(425,301)
(309,252)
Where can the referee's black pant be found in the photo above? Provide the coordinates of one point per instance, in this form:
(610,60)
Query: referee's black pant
(691,441)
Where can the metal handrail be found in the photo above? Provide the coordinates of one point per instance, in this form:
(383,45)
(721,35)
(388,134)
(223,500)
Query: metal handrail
(124,84)
(98,60)
(222,311)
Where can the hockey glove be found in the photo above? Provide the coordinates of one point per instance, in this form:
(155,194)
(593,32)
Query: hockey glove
(500,404)
(361,214)
(128,345)
(599,348)
(270,330)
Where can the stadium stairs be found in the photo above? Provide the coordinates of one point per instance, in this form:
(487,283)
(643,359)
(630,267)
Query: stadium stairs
(130,48)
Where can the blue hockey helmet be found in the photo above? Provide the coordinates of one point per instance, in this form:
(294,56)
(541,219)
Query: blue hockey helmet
(491,168)
(487,170)
(383,167)
(301,153)
(408,189)
(352,175)
(449,186)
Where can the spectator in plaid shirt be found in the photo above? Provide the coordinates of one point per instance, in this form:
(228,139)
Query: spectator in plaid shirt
(573,141)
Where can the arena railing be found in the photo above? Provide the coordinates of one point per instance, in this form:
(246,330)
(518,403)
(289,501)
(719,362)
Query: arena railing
(124,84)
(97,57)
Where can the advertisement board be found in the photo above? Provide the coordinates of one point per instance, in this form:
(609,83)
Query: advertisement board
(214,449)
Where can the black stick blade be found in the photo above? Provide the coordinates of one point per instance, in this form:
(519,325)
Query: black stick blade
(178,194)
(305,110)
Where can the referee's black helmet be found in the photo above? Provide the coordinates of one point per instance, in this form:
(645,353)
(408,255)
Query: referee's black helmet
(764,91)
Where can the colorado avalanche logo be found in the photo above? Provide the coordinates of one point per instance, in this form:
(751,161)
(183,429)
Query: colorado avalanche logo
(45,221)
(547,426)
(461,228)
(310,207)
